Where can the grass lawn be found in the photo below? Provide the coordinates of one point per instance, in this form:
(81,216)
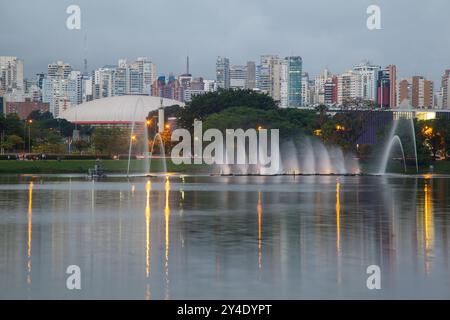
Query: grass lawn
(136,166)
(440,167)
(82,166)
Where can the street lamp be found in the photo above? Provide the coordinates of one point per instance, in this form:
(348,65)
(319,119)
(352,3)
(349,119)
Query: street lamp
(30,122)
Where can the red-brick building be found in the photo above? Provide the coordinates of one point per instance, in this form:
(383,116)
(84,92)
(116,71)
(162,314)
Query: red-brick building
(23,109)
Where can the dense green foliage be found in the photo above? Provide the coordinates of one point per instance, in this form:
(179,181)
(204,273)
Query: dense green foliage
(40,131)
(292,122)
(110,141)
(203,106)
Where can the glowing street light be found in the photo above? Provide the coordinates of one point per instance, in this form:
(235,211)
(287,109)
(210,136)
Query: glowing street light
(30,122)
(133,138)
(318,132)
(427,131)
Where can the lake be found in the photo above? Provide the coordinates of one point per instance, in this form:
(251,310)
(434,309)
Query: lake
(201,237)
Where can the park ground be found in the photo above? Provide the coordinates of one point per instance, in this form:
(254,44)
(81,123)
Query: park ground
(82,166)
(136,166)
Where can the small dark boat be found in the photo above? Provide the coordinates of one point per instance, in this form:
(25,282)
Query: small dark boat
(98,172)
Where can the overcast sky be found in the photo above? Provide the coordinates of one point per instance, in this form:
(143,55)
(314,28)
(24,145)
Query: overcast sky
(326,33)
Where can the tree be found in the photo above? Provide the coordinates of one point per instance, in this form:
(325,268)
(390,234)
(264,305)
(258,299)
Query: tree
(443,127)
(290,121)
(207,104)
(11,142)
(81,145)
(323,117)
(111,140)
(38,115)
(51,143)
(12,125)
(343,129)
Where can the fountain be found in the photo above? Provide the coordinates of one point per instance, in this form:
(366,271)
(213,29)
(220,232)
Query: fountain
(384,161)
(148,154)
(133,125)
(394,139)
(161,148)
(304,156)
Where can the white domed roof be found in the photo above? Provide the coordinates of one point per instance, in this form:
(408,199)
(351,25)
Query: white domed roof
(119,109)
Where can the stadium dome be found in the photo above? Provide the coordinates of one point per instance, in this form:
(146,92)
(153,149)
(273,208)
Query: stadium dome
(120,110)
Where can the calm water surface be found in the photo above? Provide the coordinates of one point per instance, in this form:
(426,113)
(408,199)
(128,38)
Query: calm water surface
(225,237)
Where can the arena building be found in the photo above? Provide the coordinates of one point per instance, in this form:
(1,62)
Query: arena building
(116,111)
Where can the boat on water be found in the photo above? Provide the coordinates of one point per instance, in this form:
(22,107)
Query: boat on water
(98,172)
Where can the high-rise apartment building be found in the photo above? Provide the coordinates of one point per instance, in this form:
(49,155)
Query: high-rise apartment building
(404,93)
(331,91)
(366,83)
(62,87)
(392,70)
(250,80)
(59,70)
(238,77)
(147,71)
(278,81)
(169,88)
(387,87)
(197,87)
(121,80)
(264,76)
(11,78)
(124,79)
(347,87)
(75,88)
(294,69)
(306,99)
(416,92)
(445,90)
(102,82)
(223,72)
(384,89)
(319,86)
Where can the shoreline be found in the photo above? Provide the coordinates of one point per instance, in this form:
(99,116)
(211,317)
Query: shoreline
(12,167)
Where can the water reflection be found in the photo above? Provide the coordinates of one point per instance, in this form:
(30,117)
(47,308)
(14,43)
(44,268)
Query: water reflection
(320,234)
(30,230)
(167,221)
(338,217)
(338,231)
(429,225)
(148,187)
(259,210)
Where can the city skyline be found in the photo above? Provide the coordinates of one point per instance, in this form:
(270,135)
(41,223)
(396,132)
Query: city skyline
(282,78)
(322,34)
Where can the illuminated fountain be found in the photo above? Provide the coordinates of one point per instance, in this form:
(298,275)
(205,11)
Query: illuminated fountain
(395,140)
(305,156)
(147,152)
(387,153)
(309,156)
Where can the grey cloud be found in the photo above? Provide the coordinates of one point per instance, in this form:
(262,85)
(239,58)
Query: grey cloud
(326,33)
